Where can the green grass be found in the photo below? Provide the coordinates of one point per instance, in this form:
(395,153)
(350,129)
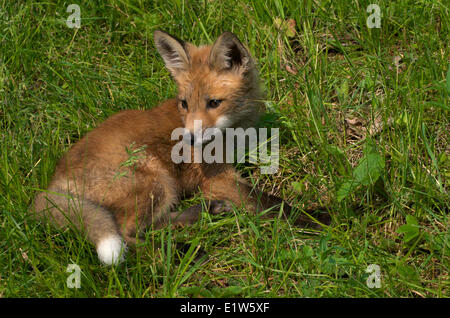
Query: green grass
(364,121)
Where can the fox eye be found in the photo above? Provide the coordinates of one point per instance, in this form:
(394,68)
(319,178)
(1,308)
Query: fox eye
(214,103)
(184,104)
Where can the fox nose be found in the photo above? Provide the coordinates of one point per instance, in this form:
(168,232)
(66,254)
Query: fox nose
(188,137)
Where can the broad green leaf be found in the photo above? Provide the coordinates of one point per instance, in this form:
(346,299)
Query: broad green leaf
(367,172)
(298,186)
(409,232)
(411,220)
(408,272)
(410,229)
(346,189)
(369,169)
(307,251)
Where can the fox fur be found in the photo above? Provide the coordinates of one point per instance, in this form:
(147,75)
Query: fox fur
(112,202)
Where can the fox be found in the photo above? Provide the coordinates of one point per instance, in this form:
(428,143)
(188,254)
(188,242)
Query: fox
(113,203)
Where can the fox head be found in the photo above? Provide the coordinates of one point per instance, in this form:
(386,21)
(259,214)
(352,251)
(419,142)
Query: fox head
(218,84)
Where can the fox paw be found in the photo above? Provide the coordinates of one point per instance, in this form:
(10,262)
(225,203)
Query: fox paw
(218,206)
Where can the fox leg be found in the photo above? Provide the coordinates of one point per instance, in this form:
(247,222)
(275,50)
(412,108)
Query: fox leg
(230,186)
(193,213)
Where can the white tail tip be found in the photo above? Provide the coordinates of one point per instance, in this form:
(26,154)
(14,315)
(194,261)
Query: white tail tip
(111,250)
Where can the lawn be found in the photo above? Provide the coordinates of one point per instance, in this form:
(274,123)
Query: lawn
(363,114)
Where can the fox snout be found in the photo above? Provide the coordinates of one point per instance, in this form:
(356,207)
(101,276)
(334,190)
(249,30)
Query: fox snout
(199,134)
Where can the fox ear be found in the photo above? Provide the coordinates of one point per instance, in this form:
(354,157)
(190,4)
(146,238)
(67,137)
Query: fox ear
(172,51)
(228,53)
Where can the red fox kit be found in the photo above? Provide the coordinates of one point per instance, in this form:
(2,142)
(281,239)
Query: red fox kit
(112,202)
